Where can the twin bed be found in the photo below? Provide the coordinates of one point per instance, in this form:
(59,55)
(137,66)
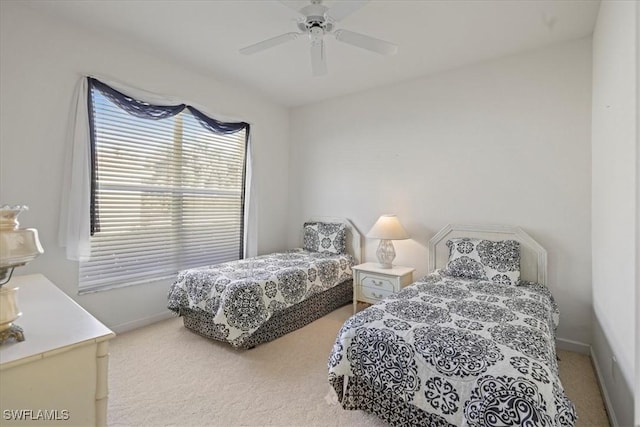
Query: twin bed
(256,300)
(470,344)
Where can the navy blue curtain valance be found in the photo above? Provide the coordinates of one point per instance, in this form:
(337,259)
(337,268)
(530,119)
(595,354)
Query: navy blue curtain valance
(145,110)
(215,125)
(134,107)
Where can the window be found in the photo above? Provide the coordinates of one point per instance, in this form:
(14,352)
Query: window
(167,190)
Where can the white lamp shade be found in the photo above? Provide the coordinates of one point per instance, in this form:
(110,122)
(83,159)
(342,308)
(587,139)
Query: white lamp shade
(387,227)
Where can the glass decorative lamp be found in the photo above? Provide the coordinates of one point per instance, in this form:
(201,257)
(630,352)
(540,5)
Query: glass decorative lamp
(18,246)
(387,228)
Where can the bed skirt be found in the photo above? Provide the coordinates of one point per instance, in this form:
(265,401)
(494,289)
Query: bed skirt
(281,323)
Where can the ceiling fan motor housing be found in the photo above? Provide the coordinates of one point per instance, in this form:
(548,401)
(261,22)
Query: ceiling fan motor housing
(315,22)
(315,18)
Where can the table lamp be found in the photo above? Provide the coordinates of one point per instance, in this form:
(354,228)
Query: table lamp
(18,246)
(387,228)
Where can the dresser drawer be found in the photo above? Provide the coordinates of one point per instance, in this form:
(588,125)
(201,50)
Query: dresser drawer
(373,294)
(379,283)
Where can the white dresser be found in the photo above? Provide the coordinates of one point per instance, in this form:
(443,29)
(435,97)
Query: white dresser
(58,375)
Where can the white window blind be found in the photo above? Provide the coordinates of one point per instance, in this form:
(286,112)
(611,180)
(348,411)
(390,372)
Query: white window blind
(168,196)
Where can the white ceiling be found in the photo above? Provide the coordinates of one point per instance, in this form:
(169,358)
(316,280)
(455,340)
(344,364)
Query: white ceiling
(432,36)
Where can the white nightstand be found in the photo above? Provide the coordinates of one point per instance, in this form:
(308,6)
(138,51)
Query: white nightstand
(372,284)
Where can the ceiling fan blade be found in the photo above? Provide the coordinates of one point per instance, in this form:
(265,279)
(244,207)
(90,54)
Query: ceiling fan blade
(318,60)
(294,4)
(366,42)
(343,8)
(266,44)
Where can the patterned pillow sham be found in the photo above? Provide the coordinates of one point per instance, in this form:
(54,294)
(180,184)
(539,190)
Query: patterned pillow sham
(484,259)
(327,237)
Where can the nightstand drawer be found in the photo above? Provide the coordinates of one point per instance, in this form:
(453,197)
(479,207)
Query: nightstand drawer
(372,294)
(378,283)
(372,284)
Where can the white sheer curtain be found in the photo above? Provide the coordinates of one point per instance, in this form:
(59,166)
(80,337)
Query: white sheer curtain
(74,230)
(250,209)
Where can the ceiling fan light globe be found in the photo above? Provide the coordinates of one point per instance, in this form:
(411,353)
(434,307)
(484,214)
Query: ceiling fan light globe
(315,34)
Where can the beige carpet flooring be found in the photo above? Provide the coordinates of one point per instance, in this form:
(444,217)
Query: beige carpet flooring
(165,375)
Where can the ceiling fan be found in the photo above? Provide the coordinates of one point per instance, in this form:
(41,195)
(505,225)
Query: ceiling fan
(316,20)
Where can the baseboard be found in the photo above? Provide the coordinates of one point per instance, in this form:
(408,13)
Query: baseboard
(603,390)
(575,346)
(139,323)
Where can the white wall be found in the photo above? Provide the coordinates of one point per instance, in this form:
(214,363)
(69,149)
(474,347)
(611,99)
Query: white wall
(41,61)
(506,141)
(637,334)
(615,213)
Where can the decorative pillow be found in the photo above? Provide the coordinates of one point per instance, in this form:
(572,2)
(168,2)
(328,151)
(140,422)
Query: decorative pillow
(328,237)
(484,259)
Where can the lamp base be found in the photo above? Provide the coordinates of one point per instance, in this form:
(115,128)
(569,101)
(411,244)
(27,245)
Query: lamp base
(9,312)
(386,253)
(13,332)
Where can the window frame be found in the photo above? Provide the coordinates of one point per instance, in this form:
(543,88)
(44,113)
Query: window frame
(209,124)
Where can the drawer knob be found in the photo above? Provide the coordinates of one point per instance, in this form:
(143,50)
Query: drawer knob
(376,295)
(377,283)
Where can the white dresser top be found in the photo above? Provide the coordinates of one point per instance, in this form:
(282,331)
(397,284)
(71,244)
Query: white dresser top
(52,322)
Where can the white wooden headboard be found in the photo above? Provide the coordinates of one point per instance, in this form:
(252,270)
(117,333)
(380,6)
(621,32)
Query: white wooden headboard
(533,257)
(354,238)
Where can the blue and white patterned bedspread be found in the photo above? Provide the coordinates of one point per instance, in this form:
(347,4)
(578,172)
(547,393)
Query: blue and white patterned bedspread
(448,351)
(243,295)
